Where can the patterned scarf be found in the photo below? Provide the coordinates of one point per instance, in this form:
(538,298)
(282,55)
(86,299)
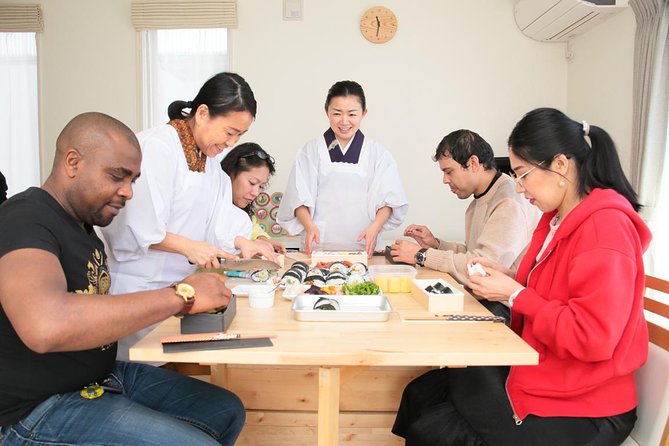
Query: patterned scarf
(194,157)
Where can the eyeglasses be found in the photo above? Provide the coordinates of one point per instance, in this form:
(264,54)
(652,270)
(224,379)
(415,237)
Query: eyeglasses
(260,154)
(518,179)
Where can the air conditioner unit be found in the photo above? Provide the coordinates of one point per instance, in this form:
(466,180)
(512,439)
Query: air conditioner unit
(560,20)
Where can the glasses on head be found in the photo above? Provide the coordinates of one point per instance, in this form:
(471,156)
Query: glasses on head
(260,154)
(520,178)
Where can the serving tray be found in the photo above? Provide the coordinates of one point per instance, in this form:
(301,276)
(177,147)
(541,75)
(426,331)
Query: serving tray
(353,308)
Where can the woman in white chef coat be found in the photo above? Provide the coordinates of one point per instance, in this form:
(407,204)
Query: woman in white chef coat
(344,188)
(181,215)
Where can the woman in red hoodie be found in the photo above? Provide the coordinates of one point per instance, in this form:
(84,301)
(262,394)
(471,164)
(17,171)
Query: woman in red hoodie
(576,298)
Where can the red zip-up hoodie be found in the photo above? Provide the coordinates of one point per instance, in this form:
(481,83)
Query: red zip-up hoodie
(582,311)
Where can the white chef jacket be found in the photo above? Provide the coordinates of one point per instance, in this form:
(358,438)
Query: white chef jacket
(343,198)
(168,197)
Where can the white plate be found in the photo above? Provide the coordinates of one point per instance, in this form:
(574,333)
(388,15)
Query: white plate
(244,290)
(290,292)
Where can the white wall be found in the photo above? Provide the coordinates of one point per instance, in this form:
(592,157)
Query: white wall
(600,78)
(452,64)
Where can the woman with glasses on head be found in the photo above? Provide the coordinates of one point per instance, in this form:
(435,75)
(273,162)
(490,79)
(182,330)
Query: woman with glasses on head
(181,216)
(249,168)
(344,189)
(576,298)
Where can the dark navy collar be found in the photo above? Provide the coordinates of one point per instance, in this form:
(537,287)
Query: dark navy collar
(352,154)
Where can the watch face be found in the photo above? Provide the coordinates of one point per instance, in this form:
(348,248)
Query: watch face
(185,290)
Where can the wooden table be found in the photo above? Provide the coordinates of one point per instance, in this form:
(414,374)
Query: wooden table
(343,349)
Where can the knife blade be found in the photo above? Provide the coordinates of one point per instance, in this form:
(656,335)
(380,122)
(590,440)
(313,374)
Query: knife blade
(248,264)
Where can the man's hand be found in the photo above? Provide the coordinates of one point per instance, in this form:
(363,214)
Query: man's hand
(422,235)
(404,251)
(210,292)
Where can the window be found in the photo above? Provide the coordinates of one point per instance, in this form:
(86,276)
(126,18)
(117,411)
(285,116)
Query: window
(19,125)
(176,63)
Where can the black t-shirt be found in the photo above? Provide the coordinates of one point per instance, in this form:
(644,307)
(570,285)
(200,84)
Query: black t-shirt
(3,188)
(33,219)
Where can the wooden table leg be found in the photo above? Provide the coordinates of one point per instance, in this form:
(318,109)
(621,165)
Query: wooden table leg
(328,406)
(219,375)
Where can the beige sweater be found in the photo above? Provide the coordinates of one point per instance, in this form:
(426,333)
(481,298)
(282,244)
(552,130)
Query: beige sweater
(498,226)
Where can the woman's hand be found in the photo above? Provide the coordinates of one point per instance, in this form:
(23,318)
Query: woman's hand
(404,251)
(250,248)
(496,286)
(488,264)
(370,235)
(276,245)
(312,236)
(422,235)
(205,255)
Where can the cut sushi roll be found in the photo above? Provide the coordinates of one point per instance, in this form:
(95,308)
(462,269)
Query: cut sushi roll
(291,277)
(335,278)
(358,268)
(315,279)
(356,278)
(260,275)
(339,267)
(325,303)
(300,265)
(287,281)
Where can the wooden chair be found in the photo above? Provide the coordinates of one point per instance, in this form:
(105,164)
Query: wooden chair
(652,426)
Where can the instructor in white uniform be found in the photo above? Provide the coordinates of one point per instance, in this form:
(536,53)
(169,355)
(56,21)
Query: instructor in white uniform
(344,188)
(182,215)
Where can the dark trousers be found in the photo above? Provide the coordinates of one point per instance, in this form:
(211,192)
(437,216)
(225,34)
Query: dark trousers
(470,407)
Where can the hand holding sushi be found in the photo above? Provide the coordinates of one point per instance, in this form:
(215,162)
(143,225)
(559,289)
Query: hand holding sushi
(422,235)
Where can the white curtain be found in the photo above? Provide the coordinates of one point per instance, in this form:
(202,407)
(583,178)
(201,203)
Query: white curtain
(19,127)
(175,65)
(651,157)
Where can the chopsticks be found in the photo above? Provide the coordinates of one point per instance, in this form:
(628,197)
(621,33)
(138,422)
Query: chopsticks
(456,318)
(209,337)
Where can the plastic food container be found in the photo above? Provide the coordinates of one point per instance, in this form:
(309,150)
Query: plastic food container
(262,296)
(393,278)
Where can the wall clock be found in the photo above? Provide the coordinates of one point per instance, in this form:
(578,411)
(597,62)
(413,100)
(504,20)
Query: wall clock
(378,24)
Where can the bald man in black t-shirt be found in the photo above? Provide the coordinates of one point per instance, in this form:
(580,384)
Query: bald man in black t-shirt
(59,380)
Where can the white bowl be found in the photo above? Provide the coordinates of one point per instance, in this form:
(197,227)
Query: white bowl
(262,297)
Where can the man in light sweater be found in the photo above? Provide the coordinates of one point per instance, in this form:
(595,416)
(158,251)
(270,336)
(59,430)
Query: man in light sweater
(498,223)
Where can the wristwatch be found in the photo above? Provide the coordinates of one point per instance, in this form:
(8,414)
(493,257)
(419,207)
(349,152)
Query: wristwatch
(187,293)
(420,257)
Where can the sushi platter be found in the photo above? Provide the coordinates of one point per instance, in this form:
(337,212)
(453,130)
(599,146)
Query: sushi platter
(342,308)
(325,274)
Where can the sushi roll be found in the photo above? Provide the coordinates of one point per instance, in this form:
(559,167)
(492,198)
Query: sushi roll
(335,278)
(354,278)
(291,277)
(318,281)
(358,268)
(301,266)
(261,275)
(325,303)
(339,267)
